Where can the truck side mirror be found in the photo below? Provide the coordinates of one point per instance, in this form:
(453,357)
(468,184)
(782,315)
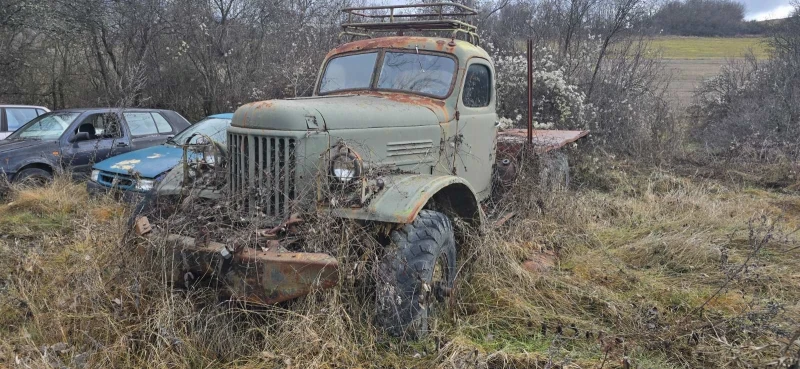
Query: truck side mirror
(80,136)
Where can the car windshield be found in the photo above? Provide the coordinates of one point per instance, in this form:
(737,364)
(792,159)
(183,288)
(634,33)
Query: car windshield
(212,127)
(425,74)
(49,126)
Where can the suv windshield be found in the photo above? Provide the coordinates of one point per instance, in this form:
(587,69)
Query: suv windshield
(49,126)
(426,74)
(212,127)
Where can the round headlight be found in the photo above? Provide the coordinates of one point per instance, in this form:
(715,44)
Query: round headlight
(345,166)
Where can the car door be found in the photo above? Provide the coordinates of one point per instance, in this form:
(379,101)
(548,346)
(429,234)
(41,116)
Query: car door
(147,128)
(106,139)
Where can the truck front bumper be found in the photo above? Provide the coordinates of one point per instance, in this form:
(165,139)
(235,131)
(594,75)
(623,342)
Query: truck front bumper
(248,274)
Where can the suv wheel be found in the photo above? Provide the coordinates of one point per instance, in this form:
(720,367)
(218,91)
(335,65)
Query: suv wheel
(416,276)
(33,177)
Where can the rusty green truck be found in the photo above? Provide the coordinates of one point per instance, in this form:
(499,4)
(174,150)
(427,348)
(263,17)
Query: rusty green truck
(400,131)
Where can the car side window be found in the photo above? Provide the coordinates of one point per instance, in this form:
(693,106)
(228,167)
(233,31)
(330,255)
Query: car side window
(17,117)
(161,123)
(141,124)
(101,125)
(477,86)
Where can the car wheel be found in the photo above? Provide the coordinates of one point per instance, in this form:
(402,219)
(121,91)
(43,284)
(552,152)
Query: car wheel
(33,177)
(416,276)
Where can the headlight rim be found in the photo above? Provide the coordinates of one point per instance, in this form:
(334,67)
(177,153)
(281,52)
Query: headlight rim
(350,154)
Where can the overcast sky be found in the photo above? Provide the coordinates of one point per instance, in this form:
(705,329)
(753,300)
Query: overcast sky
(767,9)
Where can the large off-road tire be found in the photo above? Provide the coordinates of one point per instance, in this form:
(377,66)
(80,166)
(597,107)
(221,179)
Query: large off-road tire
(416,276)
(33,177)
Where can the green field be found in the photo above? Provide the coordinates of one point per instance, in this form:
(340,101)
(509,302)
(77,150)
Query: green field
(710,47)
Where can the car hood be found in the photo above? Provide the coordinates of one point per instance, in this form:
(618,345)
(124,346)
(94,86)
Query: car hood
(14,145)
(146,163)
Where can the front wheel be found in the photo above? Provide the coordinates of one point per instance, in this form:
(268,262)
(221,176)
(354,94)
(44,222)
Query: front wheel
(33,177)
(416,276)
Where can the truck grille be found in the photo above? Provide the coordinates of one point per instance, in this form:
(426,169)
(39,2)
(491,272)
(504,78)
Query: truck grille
(262,173)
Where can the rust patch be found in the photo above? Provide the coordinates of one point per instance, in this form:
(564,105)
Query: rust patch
(406,98)
(265,104)
(399,42)
(544,140)
(540,262)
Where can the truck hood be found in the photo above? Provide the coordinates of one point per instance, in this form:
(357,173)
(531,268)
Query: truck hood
(148,163)
(337,112)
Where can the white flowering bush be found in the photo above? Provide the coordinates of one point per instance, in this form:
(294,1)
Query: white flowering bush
(625,113)
(557,103)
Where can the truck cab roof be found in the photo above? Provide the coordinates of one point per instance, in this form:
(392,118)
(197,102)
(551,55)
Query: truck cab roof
(461,49)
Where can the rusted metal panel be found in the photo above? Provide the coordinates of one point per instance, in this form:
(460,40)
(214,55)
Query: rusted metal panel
(256,276)
(543,140)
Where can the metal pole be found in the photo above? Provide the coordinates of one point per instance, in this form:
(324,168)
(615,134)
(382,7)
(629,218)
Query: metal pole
(530,91)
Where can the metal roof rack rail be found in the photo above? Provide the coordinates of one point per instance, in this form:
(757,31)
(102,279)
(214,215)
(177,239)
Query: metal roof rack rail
(444,16)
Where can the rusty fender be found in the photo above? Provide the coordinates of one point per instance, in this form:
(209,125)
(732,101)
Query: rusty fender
(261,277)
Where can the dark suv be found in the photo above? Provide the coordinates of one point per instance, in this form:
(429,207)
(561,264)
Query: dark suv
(77,138)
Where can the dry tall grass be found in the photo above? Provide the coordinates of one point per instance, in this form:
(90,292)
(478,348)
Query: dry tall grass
(634,265)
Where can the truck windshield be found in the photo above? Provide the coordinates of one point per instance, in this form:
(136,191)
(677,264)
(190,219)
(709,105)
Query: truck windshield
(49,126)
(421,73)
(348,73)
(400,71)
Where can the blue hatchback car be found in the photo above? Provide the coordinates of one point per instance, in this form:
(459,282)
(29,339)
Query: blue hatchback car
(138,171)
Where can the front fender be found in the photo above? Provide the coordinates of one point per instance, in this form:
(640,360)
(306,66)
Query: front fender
(405,195)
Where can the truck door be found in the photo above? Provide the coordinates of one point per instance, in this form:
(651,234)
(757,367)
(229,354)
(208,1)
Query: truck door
(476,133)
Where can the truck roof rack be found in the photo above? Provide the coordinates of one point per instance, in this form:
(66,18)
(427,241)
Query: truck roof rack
(444,16)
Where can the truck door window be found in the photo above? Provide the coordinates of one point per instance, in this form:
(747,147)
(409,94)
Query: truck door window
(350,72)
(477,86)
(421,73)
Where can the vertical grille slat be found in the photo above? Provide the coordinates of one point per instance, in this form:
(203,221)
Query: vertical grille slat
(286,175)
(251,174)
(276,166)
(262,171)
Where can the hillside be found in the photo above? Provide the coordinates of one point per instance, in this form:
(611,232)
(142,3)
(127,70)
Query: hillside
(691,60)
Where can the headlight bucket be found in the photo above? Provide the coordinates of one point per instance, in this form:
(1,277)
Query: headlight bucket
(345,165)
